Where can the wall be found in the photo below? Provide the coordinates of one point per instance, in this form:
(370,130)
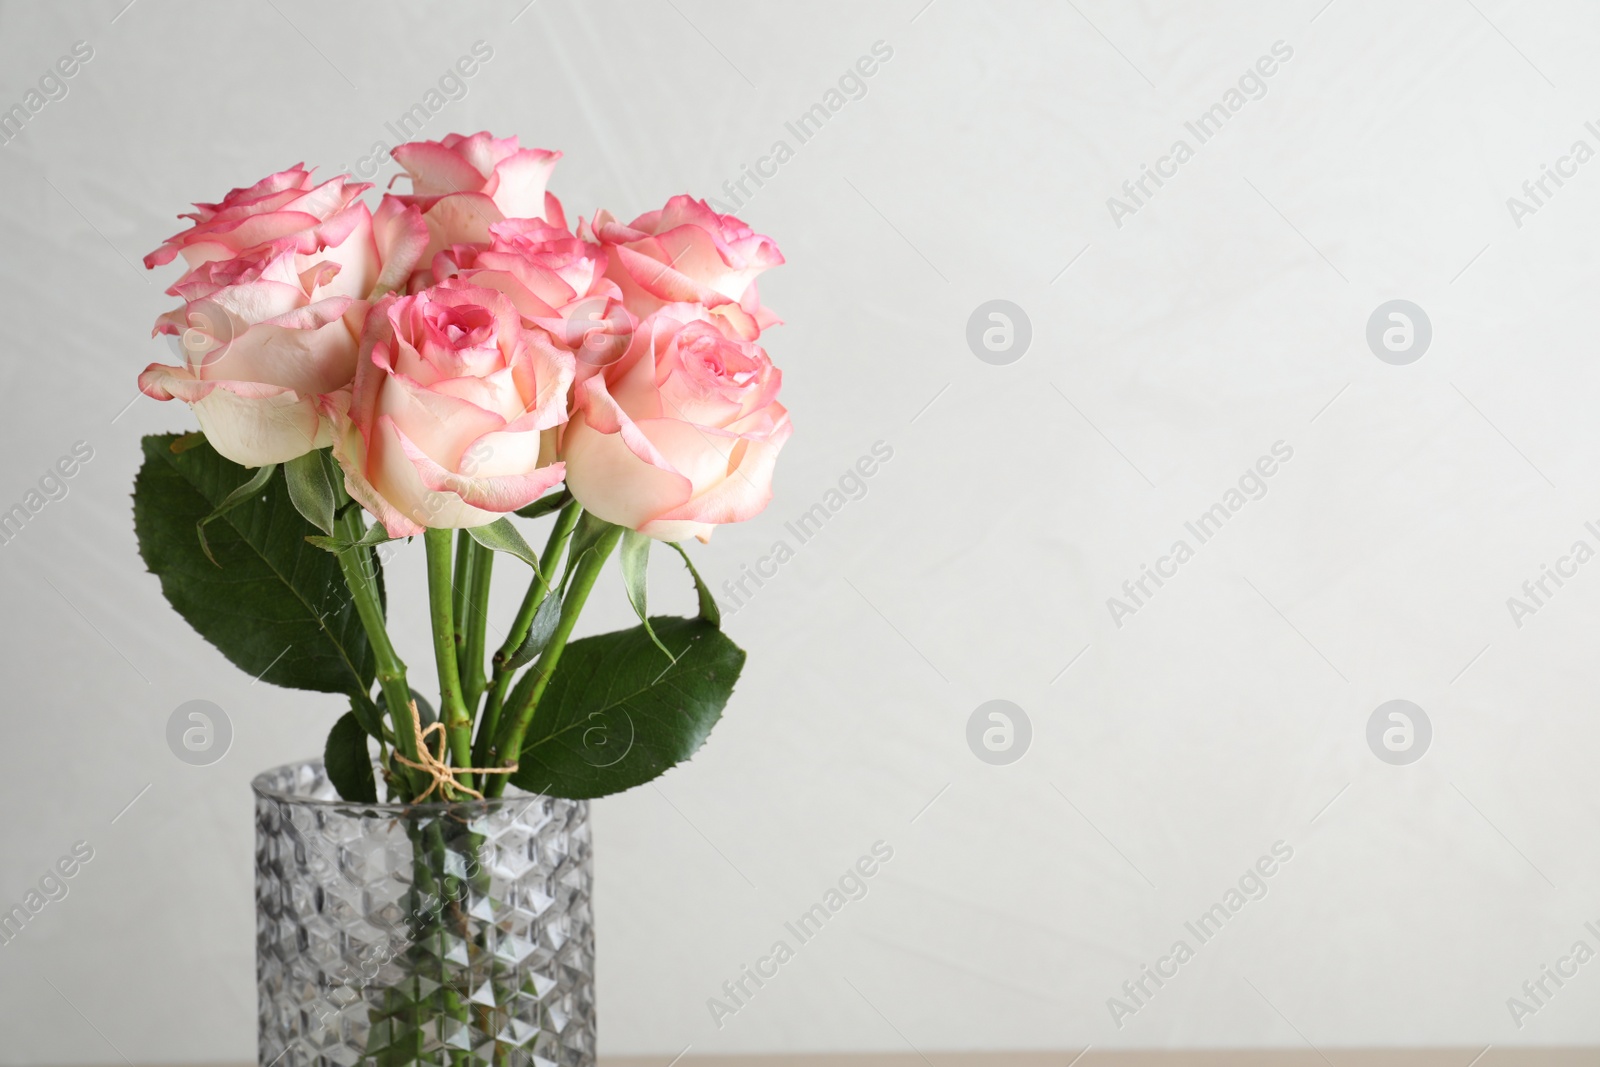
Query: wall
(1178,336)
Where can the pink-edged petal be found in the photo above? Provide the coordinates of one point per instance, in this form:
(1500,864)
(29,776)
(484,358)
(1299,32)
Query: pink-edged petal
(507,452)
(350,449)
(436,170)
(702,455)
(632,381)
(354,251)
(308,361)
(482,149)
(254,230)
(402,239)
(328,200)
(494,392)
(746,490)
(554,213)
(495,494)
(259,301)
(543,284)
(460,218)
(312,316)
(735,321)
(439,424)
(160,382)
(546,373)
(659,277)
(611,479)
(519,182)
(522,296)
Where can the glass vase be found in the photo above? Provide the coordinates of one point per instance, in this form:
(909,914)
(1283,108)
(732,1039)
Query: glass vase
(452,934)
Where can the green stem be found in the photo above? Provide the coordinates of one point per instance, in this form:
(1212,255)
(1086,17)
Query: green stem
(538,589)
(361,578)
(462,581)
(453,709)
(476,623)
(585,572)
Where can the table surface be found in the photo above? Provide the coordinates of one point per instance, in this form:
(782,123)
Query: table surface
(1327,1057)
(1449,1057)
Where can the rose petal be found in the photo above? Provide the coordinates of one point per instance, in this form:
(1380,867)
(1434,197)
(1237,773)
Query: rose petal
(402,238)
(436,170)
(613,481)
(494,495)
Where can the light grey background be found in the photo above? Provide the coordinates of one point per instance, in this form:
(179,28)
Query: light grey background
(1168,354)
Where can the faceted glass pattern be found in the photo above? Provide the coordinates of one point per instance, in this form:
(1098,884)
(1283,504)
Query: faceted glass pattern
(453,934)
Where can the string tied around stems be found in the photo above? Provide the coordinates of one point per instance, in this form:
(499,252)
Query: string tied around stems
(442,775)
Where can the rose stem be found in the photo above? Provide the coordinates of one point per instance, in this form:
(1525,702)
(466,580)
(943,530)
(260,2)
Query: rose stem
(453,710)
(476,622)
(361,578)
(461,582)
(583,579)
(538,589)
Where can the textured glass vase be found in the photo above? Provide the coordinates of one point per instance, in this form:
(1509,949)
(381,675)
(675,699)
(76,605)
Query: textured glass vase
(452,934)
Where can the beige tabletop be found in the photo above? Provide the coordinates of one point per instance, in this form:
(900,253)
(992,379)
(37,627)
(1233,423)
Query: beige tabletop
(1328,1057)
(1450,1057)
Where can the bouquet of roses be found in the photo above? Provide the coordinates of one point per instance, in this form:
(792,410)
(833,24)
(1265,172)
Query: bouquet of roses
(433,368)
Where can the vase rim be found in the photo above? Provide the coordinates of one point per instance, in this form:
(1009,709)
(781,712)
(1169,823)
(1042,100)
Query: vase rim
(265,785)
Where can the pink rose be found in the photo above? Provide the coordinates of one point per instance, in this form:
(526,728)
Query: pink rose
(462,185)
(556,282)
(446,424)
(325,223)
(682,433)
(262,341)
(274,268)
(688,253)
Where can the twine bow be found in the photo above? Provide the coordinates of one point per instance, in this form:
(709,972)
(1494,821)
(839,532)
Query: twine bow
(433,765)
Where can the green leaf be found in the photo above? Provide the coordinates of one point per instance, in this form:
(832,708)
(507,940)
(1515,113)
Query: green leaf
(347,761)
(244,492)
(522,690)
(277,607)
(311,490)
(635,567)
(368,714)
(425,710)
(539,631)
(375,535)
(501,536)
(613,718)
(584,537)
(709,610)
(545,505)
(635,557)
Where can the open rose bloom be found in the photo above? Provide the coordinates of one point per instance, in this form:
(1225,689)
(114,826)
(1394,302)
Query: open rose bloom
(452,398)
(279,273)
(261,343)
(464,351)
(682,434)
